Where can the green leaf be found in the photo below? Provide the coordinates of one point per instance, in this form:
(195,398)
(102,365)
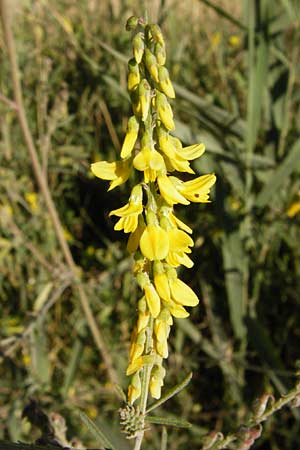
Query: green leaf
(234,261)
(168,421)
(279,176)
(96,432)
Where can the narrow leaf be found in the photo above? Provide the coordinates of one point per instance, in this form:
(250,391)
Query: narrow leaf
(96,431)
(168,421)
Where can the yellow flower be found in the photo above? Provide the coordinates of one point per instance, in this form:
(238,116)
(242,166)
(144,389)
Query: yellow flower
(130,138)
(181,293)
(154,243)
(32,199)
(130,212)
(135,388)
(293,209)
(196,190)
(169,192)
(234,40)
(117,172)
(175,161)
(179,246)
(135,237)
(156,380)
(149,161)
(153,299)
(177,310)
(161,281)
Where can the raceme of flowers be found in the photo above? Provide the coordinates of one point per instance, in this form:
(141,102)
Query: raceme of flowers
(160,241)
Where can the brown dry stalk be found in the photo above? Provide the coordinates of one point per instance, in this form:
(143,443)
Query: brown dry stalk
(42,183)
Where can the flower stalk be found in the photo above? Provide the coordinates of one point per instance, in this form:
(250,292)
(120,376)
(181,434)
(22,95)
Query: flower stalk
(159,240)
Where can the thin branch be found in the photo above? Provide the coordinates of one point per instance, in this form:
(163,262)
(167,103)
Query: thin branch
(42,183)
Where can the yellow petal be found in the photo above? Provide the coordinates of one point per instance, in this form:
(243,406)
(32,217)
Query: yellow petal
(197,190)
(154,243)
(178,311)
(182,293)
(169,192)
(179,240)
(192,151)
(153,300)
(105,170)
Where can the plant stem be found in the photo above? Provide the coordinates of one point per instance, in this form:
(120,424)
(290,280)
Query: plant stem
(145,383)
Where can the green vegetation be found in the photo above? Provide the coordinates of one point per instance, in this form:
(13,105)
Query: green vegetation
(235,70)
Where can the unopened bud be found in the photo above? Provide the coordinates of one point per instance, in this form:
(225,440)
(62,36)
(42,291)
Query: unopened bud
(157,34)
(133,74)
(165,82)
(160,53)
(151,65)
(132,23)
(145,98)
(138,47)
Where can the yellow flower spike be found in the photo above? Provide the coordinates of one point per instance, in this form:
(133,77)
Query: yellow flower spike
(161,282)
(169,192)
(153,299)
(134,76)
(135,237)
(165,82)
(151,65)
(160,53)
(130,212)
(130,138)
(135,388)
(154,243)
(144,98)
(138,47)
(197,190)
(164,110)
(117,171)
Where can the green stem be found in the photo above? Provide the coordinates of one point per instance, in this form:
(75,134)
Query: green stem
(145,383)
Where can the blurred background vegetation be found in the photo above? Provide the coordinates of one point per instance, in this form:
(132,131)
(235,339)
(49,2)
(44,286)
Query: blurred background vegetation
(235,67)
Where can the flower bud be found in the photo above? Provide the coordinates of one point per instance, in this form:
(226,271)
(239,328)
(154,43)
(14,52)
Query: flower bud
(132,23)
(133,75)
(134,390)
(160,53)
(145,98)
(131,137)
(164,110)
(151,65)
(138,47)
(165,82)
(157,34)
